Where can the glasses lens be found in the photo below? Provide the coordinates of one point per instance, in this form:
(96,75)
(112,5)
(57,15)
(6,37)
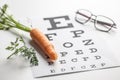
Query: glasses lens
(103,23)
(83,16)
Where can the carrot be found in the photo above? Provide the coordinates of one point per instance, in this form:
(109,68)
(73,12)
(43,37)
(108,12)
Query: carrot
(7,22)
(43,43)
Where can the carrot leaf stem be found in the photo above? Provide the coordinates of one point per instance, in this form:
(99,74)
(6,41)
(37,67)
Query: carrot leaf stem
(7,21)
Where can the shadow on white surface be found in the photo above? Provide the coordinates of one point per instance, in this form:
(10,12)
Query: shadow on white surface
(12,67)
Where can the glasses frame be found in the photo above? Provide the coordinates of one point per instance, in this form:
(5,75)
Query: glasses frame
(90,18)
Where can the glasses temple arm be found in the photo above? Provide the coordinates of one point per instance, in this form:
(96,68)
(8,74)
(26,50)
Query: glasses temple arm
(83,15)
(105,23)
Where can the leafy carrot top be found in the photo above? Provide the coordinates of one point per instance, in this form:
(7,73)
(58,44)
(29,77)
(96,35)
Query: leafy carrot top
(7,22)
(19,48)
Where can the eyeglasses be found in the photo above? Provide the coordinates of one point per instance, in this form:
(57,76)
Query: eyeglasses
(101,22)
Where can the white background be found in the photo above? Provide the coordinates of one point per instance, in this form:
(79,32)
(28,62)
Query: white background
(42,8)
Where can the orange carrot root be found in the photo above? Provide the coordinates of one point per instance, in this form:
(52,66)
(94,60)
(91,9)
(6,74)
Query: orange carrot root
(44,43)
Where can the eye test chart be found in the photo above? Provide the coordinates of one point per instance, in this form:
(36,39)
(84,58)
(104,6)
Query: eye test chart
(79,49)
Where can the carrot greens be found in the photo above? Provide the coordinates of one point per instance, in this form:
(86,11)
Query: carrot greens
(7,21)
(18,46)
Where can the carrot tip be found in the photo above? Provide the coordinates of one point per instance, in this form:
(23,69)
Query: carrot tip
(54,57)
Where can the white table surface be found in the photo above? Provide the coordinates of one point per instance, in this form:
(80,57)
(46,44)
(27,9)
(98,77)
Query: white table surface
(34,8)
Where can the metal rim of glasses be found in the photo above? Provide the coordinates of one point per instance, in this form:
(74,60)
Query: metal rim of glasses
(95,20)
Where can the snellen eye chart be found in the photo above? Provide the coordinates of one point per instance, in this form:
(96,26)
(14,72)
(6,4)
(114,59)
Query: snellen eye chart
(78,47)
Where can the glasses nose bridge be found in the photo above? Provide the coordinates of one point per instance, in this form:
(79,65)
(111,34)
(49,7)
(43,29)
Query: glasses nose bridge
(93,17)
